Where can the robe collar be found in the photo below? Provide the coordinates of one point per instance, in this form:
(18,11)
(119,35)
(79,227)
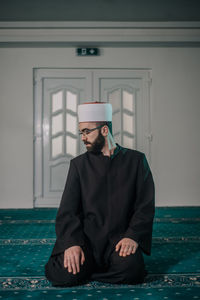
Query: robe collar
(116,151)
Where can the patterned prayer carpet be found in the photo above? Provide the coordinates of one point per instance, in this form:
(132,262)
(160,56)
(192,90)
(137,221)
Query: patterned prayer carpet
(27,237)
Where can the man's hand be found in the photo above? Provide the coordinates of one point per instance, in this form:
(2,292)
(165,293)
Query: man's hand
(73,256)
(127,246)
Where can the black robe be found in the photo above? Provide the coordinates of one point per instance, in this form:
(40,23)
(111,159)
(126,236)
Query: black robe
(106,199)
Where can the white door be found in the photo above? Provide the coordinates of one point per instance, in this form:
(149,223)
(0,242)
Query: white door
(56,140)
(128,92)
(57,95)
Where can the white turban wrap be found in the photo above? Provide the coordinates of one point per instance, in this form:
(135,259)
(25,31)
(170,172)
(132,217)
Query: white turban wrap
(97,112)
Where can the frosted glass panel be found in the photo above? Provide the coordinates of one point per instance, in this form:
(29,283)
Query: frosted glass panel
(57,124)
(71,101)
(128,123)
(116,120)
(71,124)
(71,146)
(57,101)
(128,101)
(128,142)
(115,99)
(57,144)
(117,139)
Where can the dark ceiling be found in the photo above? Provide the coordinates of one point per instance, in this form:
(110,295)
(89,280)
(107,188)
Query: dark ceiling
(100,10)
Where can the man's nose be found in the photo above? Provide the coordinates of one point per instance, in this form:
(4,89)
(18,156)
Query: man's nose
(83,137)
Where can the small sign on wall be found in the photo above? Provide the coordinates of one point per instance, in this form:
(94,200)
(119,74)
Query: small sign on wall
(87,51)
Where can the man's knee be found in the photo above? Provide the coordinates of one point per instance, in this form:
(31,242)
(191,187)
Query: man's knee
(56,274)
(133,275)
(59,276)
(131,267)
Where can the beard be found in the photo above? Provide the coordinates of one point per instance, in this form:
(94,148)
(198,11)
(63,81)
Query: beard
(97,145)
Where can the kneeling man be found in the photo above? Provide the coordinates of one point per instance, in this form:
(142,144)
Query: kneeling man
(105,219)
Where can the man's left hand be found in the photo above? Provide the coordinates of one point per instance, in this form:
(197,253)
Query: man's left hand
(126,246)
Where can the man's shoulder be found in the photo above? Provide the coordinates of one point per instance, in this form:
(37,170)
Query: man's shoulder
(132,152)
(79,158)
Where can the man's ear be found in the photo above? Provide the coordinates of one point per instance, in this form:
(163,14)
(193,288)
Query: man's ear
(104,130)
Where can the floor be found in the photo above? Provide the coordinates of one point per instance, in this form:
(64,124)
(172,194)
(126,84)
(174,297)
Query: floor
(27,237)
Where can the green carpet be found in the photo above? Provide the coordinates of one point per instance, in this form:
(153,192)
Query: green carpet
(27,237)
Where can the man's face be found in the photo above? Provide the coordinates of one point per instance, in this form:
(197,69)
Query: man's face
(94,141)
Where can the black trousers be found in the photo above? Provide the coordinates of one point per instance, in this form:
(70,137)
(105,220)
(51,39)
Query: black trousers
(118,269)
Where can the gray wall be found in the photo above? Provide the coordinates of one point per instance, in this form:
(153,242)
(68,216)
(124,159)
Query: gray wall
(175,116)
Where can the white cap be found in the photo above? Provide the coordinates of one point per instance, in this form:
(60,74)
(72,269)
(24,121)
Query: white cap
(95,112)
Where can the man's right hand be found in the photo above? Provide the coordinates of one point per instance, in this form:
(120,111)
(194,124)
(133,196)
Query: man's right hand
(73,256)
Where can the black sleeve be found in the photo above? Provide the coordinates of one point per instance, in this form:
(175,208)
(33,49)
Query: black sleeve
(69,216)
(141,223)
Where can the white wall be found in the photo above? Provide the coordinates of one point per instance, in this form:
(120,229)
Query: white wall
(175,117)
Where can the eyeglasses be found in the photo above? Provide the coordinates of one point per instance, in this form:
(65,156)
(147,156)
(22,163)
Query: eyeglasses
(86,131)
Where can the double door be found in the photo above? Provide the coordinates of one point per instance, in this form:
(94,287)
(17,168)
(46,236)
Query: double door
(58,92)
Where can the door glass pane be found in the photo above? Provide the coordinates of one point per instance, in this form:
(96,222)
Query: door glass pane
(128,142)
(57,101)
(71,124)
(128,123)
(115,99)
(117,138)
(71,146)
(57,124)
(128,101)
(71,100)
(116,121)
(57,145)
